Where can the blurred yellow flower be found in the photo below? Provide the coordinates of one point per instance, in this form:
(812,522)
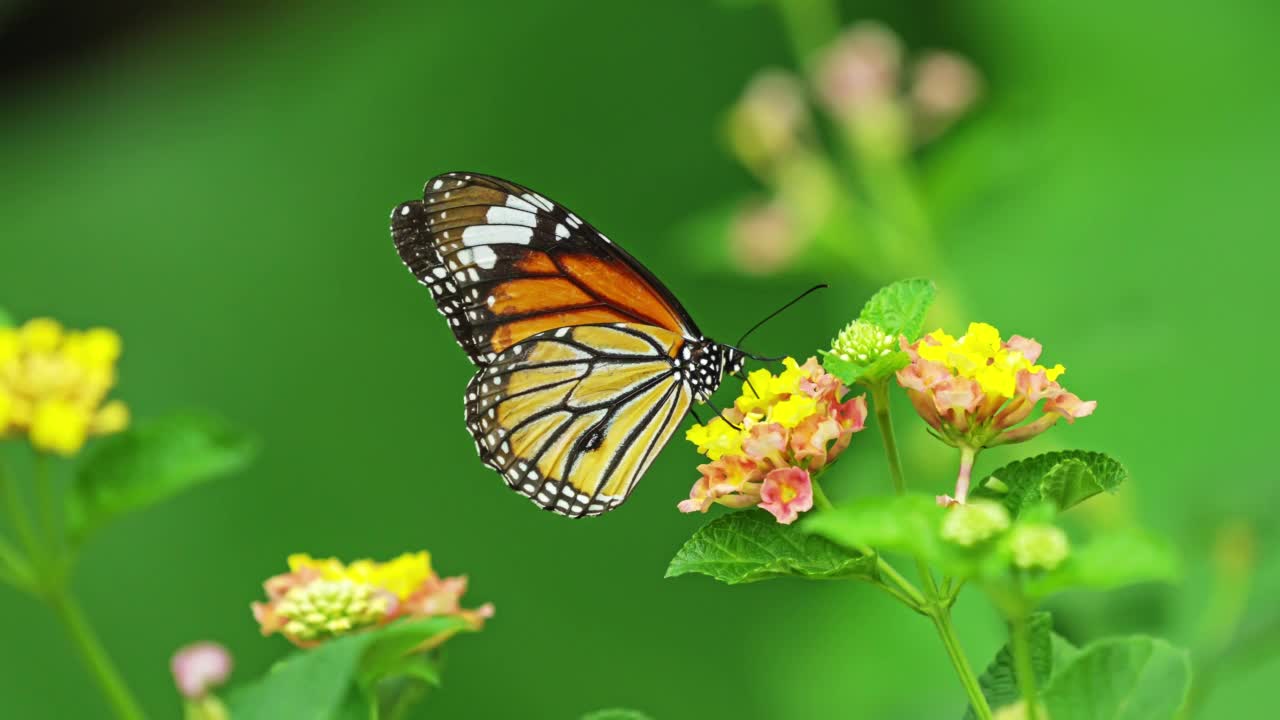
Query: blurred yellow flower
(54,383)
(323,598)
(401,576)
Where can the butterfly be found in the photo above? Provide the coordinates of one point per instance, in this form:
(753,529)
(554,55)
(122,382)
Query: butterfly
(586,362)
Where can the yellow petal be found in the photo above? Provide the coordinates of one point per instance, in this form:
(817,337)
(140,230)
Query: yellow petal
(41,335)
(59,427)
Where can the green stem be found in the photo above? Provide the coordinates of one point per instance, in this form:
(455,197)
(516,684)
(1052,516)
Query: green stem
(14,568)
(884,420)
(810,25)
(1021,637)
(94,655)
(819,497)
(50,524)
(14,509)
(880,399)
(942,621)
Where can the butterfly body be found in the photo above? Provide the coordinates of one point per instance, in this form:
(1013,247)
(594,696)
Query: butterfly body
(586,363)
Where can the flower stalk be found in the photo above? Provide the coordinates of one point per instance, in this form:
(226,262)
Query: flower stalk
(933,603)
(1020,635)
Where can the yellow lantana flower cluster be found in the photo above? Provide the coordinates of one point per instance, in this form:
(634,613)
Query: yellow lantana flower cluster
(54,383)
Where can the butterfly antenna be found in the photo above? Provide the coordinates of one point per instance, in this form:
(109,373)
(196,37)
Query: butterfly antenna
(722,417)
(747,379)
(771,316)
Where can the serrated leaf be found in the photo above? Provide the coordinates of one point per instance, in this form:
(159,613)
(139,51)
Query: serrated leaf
(149,463)
(750,546)
(900,308)
(1065,478)
(1109,561)
(1134,678)
(999,681)
(615,714)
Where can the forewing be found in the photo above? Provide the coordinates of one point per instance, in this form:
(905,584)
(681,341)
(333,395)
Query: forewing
(505,263)
(571,418)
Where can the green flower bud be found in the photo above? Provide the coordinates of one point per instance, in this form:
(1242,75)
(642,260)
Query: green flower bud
(863,343)
(325,608)
(1037,546)
(974,522)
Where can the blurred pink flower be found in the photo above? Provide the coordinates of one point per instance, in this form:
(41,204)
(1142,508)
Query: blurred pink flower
(200,668)
(945,86)
(860,70)
(763,239)
(786,493)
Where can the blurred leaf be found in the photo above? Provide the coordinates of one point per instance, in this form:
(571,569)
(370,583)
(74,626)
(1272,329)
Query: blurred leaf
(906,523)
(1109,561)
(749,546)
(1000,681)
(1134,678)
(1065,478)
(1063,651)
(851,371)
(899,308)
(6,320)
(309,684)
(319,683)
(615,714)
(149,463)
(389,654)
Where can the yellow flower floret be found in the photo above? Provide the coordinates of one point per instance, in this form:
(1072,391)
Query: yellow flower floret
(54,383)
(402,575)
(980,354)
(765,398)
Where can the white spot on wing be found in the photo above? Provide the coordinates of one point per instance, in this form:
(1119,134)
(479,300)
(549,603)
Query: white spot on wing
(561,231)
(497,235)
(510,216)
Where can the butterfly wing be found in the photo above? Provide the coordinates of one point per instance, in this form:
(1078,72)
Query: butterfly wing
(572,417)
(504,264)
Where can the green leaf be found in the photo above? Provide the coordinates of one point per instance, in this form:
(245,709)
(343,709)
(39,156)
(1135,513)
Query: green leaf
(1000,682)
(899,308)
(150,463)
(906,523)
(1108,561)
(749,546)
(1134,678)
(6,320)
(309,684)
(1065,478)
(390,653)
(615,714)
(321,683)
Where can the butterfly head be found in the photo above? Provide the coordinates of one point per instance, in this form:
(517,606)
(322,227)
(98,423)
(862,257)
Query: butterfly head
(706,363)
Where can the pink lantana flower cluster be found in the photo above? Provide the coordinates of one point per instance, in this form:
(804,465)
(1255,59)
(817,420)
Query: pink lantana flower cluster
(979,391)
(319,599)
(780,432)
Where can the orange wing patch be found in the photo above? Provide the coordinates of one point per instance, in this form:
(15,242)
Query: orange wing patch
(528,295)
(619,285)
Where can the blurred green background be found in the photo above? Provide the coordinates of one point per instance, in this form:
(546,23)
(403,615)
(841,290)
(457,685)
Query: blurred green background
(215,184)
